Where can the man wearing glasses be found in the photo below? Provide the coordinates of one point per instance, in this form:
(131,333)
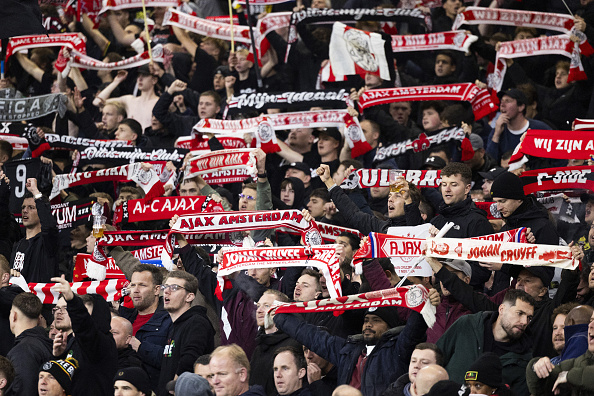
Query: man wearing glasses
(191,335)
(247,198)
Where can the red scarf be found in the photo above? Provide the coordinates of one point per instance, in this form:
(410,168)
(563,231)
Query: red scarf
(162,208)
(260,127)
(84,61)
(415,297)
(126,4)
(482,104)
(499,16)
(555,144)
(200,145)
(582,124)
(456,41)
(110,290)
(573,177)
(367,178)
(322,257)
(224,160)
(73,41)
(549,45)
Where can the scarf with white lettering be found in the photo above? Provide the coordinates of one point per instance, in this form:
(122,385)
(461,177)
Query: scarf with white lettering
(110,290)
(73,41)
(548,45)
(330,232)
(292,100)
(415,297)
(148,238)
(499,16)
(456,41)
(199,144)
(367,178)
(480,99)
(112,5)
(555,144)
(162,208)
(223,160)
(573,177)
(69,214)
(383,245)
(242,221)
(12,132)
(120,173)
(112,271)
(259,127)
(525,254)
(583,125)
(422,143)
(555,204)
(353,133)
(322,257)
(51,141)
(115,156)
(206,27)
(21,109)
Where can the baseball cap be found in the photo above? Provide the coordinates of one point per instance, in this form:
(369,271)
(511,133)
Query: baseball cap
(224,70)
(332,132)
(459,265)
(144,69)
(586,197)
(516,94)
(302,166)
(492,173)
(434,162)
(545,274)
(476,141)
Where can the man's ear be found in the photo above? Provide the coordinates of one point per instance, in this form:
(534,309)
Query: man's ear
(467,189)
(466,279)
(5,277)
(302,373)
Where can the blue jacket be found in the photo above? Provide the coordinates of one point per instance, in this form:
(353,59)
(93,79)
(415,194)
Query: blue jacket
(152,337)
(388,360)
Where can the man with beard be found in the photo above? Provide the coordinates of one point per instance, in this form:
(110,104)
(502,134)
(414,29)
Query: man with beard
(502,332)
(369,362)
(150,321)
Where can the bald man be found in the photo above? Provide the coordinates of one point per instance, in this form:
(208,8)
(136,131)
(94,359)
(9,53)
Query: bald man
(121,330)
(346,390)
(426,378)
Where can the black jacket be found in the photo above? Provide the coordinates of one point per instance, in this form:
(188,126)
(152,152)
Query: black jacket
(396,388)
(40,261)
(367,223)
(93,346)
(190,337)
(128,357)
(326,385)
(31,349)
(469,221)
(7,295)
(176,124)
(263,358)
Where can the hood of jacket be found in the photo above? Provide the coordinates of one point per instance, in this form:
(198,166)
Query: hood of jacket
(529,210)
(101,314)
(460,208)
(38,333)
(270,341)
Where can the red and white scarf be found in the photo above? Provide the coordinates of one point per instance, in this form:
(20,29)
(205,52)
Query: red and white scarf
(500,16)
(583,125)
(367,178)
(223,160)
(205,27)
(353,133)
(151,238)
(114,5)
(86,62)
(548,45)
(110,290)
(242,221)
(384,245)
(456,41)
(83,260)
(198,144)
(502,252)
(480,99)
(555,144)
(573,177)
(74,41)
(162,208)
(330,232)
(120,173)
(260,127)
(322,257)
(415,297)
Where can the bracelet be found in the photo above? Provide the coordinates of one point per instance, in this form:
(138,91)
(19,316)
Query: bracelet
(37,196)
(262,175)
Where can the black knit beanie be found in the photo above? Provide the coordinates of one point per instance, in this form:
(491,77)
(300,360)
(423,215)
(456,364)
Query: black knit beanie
(62,370)
(508,185)
(486,369)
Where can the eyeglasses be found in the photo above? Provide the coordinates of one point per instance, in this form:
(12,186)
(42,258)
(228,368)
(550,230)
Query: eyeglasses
(172,287)
(56,309)
(248,197)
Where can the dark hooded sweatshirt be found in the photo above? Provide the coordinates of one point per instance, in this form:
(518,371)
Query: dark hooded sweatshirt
(31,349)
(190,336)
(93,346)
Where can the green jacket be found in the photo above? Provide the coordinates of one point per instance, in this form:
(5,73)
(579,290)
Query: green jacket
(463,342)
(580,377)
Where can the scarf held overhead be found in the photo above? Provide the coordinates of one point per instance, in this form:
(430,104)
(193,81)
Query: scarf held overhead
(21,109)
(110,290)
(415,297)
(422,143)
(162,208)
(367,178)
(574,177)
(480,99)
(223,160)
(555,144)
(259,127)
(455,41)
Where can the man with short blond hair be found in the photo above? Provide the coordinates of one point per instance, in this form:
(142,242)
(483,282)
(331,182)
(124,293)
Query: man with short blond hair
(230,371)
